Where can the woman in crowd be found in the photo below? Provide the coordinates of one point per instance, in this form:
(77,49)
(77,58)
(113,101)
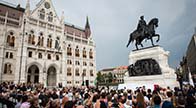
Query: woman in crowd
(36,96)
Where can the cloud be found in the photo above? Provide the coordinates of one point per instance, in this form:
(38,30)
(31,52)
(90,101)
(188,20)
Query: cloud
(112,21)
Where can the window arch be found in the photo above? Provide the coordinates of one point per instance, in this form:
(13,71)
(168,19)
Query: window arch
(69,62)
(8,38)
(42,14)
(77,72)
(69,72)
(84,72)
(57,57)
(31,38)
(69,50)
(7,68)
(91,73)
(40,39)
(84,53)
(91,54)
(50,17)
(57,42)
(77,52)
(49,42)
(91,64)
(11,39)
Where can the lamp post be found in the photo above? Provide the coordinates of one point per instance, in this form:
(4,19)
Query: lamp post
(82,78)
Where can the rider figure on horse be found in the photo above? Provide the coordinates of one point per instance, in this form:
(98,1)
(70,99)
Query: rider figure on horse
(141,27)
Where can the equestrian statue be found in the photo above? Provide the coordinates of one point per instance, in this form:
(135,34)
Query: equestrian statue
(144,31)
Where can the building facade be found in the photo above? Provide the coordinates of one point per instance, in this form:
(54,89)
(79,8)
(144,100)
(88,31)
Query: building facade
(191,56)
(38,46)
(117,73)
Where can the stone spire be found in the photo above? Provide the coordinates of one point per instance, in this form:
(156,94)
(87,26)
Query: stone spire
(87,28)
(27,9)
(62,18)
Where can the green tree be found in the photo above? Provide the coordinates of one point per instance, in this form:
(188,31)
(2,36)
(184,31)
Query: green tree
(110,77)
(99,78)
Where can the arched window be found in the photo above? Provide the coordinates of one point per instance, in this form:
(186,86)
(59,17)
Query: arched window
(40,55)
(49,56)
(12,42)
(84,64)
(77,52)
(84,53)
(69,72)
(77,72)
(57,46)
(40,40)
(91,54)
(11,39)
(69,62)
(8,39)
(7,68)
(91,64)
(49,42)
(84,72)
(91,73)
(69,50)
(57,57)
(50,17)
(31,38)
(42,14)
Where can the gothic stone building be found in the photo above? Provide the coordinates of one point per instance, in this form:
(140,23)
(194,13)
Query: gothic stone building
(37,46)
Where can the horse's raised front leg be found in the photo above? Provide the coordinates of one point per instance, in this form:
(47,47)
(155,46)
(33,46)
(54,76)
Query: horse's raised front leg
(158,37)
(128,42)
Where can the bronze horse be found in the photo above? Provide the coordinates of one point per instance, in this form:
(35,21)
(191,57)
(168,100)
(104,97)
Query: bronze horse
(149,33)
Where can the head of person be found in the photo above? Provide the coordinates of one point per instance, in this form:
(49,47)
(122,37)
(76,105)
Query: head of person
(109,98)
(24,98)
(95,98)
(142,17)
(86,96)
(169,94)
(157,100)
(103,95)
(140,98)
(69,104)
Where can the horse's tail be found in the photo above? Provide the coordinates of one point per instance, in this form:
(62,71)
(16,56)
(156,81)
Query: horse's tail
(130,40)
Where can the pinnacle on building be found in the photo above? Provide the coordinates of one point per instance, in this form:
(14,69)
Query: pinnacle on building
(87,28)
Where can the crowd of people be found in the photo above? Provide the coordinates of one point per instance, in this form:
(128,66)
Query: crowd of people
(37,96)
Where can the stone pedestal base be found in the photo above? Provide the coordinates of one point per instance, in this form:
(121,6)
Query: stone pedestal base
(167,78)
(150,81)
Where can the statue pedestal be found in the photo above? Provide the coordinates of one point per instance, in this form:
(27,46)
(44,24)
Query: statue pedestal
(167,78)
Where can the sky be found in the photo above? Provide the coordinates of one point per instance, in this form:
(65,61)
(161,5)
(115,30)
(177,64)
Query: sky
(112,21)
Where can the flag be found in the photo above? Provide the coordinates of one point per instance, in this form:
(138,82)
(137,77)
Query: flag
(190,78)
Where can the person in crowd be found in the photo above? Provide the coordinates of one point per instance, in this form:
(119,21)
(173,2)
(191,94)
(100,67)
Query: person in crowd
(139,101)
(25,102)
(37,96)
(157,102)
(180,100)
